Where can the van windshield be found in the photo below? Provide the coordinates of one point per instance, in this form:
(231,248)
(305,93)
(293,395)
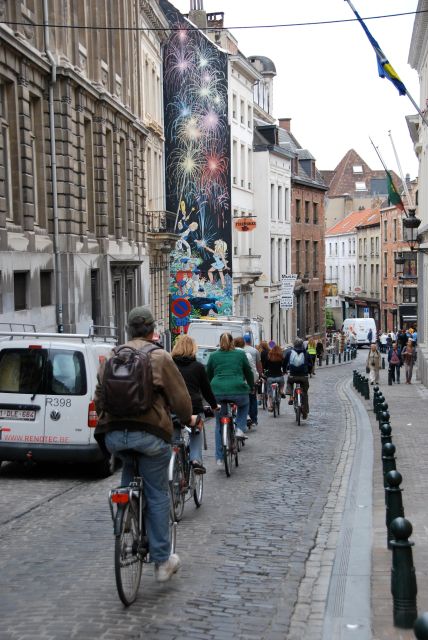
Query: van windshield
(34,371)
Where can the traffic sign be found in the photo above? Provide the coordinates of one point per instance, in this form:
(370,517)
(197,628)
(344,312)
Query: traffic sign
(181,307)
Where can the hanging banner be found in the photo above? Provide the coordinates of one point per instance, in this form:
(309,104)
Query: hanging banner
(245,224)
(287,291)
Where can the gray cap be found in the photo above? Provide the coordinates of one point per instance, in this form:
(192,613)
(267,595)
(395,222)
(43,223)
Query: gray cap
(140,315)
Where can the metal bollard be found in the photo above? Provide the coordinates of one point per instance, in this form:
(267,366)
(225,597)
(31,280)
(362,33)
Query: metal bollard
(354,378)
(326,360)
(386,433)
(382,408)
(388,460)
(366,389)
(376,394)
(383,362)
(389,377)
(384,417)
(339,358)
(333,358)
(403,575)
(421,627)
(393,501)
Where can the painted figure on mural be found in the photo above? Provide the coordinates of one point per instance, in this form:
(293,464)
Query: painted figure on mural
(186,228)
(220,261)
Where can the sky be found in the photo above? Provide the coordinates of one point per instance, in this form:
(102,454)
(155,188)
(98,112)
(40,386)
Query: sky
(327,80)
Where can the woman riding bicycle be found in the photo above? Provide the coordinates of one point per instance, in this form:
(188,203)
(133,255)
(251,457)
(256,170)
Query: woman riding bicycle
(198,386)
(274,371)
(231,378)
(298,362)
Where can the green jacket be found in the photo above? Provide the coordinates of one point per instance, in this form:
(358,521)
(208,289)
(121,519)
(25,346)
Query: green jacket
(229,372)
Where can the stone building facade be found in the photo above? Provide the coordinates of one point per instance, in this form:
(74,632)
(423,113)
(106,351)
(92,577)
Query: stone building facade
(83,230)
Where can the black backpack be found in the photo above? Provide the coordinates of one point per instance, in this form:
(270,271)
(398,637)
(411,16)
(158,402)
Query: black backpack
(127,384)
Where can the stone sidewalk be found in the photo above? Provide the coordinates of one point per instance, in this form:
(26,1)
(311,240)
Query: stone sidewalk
(408,407)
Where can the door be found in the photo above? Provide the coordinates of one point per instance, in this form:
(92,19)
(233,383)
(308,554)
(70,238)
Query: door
(67,396)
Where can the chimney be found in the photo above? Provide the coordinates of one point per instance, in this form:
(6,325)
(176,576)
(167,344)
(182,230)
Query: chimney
(197,15)
(284,123)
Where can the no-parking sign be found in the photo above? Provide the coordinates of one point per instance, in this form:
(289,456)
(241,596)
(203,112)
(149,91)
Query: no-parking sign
(181,307)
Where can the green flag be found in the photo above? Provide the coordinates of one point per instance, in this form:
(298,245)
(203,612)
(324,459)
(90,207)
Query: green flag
(393,195)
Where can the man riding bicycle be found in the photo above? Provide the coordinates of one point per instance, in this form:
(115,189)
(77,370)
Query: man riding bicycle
(298,363)
(149,434)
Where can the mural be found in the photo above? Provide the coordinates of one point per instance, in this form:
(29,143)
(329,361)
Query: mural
(197,158)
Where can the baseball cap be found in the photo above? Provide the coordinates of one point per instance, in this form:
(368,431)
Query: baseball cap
(140,315)
(247,338)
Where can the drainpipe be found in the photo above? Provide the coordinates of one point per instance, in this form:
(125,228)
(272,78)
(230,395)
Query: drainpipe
(52,82)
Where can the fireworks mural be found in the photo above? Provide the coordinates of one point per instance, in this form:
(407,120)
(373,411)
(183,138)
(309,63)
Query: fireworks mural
(197,157)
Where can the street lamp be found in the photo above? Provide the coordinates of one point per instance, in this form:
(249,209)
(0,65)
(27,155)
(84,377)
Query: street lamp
(411,223)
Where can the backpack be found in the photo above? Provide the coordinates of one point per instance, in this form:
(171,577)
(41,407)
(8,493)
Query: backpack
(297,359)
(127,384)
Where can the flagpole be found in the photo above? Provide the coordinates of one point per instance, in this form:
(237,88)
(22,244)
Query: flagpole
(409,198)
(425,121)
(384,165)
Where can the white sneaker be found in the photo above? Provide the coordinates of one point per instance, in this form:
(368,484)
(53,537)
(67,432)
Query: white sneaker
(165,570)
(240,434)
(219,463)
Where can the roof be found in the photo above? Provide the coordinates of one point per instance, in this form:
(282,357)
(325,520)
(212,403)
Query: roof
(352,221)
(372,220)
(266,63)
(287,141)
(342,180)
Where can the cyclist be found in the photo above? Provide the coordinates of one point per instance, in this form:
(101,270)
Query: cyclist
(150,434)
(257,363)
(274,371)
(297,362)
(231,378)
(197,383)
(312,351)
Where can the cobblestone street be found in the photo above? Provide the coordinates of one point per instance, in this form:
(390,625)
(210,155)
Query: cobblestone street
(243,552)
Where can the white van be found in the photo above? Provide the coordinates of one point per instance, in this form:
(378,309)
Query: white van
(207,331)
(47,384)
(360,328)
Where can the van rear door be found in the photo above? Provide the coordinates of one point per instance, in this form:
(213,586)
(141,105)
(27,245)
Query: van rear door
(22,409)
(68,393)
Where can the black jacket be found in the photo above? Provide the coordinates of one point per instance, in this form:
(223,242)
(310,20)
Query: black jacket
(197,382)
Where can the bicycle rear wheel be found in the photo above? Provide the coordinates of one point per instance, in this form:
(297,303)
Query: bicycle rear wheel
(274,405)
(227,448)
(298,411)
(197,482)
(128,560)
(176,484)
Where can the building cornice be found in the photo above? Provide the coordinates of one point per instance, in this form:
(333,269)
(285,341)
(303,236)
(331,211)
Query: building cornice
(155,17)
(419,41)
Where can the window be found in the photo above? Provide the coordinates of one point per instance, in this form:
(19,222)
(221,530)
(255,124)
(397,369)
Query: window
(372,246)
(360,186)
(315,212)
(20,289)
(357,168)
(280,209)
(385,264)
(360,247)
(123,187)
(335,248)
(365,246)
(343,248)
(353,246)
(45,288)
(234,106)
(298,257)
(298,210)
(329,248)
(89,171)
(307,203)
(272,201)
(315,259)
(10,160)
(377,245)
(249,117)
(385,230)
(410,295)
(395,230)
(395,295)
(410,269)
(385,294)
(316,311)
(307,258)
(111,200)
(242,112)
(235,162)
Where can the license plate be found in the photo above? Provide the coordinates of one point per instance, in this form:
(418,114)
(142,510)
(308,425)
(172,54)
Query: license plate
(18,414)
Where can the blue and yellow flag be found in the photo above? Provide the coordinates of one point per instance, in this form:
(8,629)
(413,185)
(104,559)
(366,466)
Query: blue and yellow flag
(385,69)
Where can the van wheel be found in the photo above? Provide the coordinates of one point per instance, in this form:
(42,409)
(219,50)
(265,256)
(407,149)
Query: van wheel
(106,467)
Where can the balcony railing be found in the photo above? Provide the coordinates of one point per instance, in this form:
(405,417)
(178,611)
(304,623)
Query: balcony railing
(160,221)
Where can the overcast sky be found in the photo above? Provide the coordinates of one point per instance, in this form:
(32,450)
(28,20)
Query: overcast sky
(327,79)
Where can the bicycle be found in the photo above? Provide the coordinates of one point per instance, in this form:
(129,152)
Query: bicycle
(183,481)
(263,393)
(298,401)
(231,444)
(131,548)
(276,399)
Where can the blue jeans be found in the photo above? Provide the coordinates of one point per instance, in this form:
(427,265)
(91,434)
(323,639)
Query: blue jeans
(153,466)
(253,410)
(243,403)
(195,444)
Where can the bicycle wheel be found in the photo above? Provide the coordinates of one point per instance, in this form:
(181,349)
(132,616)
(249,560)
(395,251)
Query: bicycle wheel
(274,404)
(197,482)
(264,397)
(298,410)
(227,448)
(172,531)
(278,403)
(128,561)
(176,484)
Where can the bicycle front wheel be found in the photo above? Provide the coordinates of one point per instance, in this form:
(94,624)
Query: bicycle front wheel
(298,411)
(128,560)
(197,482)
(275,406)
(176,484)
(227,449)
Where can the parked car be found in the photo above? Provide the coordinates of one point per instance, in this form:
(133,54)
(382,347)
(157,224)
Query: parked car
(47,384)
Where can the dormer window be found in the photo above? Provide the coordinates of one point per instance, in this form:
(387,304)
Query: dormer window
(360,186)
(357,168)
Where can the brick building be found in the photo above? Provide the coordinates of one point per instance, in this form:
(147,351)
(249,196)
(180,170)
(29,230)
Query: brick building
(307,236)
(81,164)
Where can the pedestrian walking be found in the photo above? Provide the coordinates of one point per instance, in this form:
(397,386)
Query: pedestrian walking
(320,350)
(395,362)
(312,351)
(409,357)
(370,336)
(373,364)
